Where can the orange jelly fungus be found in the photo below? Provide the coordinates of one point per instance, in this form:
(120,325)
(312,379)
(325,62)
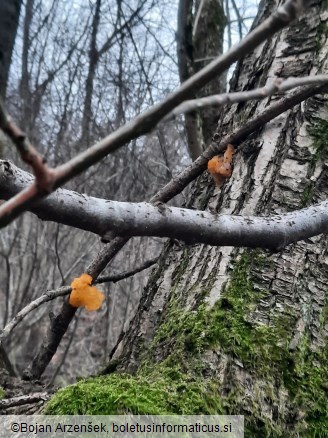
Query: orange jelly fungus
(83,294)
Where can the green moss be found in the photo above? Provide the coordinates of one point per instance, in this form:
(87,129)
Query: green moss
(2,393)
(180,383)
(176,385)
(226,324)
(308,386)
(322,30)
(319,133)
(165,392)
(307,195)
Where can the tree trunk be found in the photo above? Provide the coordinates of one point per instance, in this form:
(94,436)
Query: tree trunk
(9,16)
(199,41)
(28,116)
(93,62)
(221,330)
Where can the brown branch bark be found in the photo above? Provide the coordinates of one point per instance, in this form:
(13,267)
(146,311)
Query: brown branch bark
(44,178)
(65,290)
(59,323)
(178,183)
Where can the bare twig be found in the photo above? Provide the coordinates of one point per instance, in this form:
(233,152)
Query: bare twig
(43,174)
(227,12)
(146,121)
(41,360)
(239,19)
(275,86)
(114,278)
(65,290)
(198,14)
(179,182)
(47,296)
(24,400)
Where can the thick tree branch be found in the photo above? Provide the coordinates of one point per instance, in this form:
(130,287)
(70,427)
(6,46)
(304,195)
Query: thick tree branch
(143,219)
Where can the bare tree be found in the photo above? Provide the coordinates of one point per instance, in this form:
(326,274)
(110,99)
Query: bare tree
(9,13)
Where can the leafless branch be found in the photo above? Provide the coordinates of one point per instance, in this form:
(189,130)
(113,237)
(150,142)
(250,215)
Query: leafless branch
(114,278)
(43,174)
(228,23)
(275,86)
(24,399)
(47,296)
(198,14)
(143,219)
(146,121)
(239,19)
(59,324)
(65,290)
(179,182)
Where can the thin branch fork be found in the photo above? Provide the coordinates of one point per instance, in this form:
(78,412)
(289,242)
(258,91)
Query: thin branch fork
(44,176)
(60,323)
(66,290)
(146,121)
(191,172)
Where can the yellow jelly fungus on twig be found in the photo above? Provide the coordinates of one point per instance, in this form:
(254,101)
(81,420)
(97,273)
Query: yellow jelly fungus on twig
(83,294)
